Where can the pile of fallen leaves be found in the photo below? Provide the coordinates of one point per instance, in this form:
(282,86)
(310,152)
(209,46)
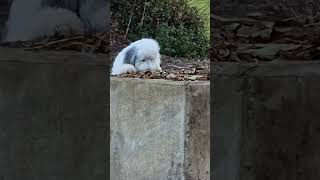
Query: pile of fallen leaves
(102,42)
(95,43)
(177,69)
(252,39)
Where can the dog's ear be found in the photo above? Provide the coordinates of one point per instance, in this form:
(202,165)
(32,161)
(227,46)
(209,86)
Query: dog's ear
(130,56)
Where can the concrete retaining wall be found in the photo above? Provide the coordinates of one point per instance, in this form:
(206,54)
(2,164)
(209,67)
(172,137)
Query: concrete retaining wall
(159,129)
(266,121)
(53,115)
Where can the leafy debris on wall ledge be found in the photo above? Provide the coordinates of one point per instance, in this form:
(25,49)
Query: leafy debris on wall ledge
(177,69)
(96,43)
(252,39)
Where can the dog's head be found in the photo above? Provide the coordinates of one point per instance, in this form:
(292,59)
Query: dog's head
(144,55)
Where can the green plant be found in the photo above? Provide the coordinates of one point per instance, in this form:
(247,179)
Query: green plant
(178,27)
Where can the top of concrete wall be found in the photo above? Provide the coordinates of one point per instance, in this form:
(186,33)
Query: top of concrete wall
(51,57)
(284,68)
(161,81)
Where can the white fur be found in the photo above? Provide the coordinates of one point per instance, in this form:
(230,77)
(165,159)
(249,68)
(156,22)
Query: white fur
(94,13)
(19,19)
(49,22)
(144,49)
(29,20)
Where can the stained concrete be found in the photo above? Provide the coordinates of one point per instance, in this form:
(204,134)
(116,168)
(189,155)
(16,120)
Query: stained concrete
(159,129)
(266,121)
(53,115)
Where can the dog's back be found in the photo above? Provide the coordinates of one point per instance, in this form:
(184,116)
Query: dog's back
(140,55)
(45,23)
(147,44)
(33,19)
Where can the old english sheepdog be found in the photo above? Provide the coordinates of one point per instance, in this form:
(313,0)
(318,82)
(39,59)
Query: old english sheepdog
(33,19)
(139,56)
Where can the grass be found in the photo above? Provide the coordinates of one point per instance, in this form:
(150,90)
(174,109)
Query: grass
(204,7)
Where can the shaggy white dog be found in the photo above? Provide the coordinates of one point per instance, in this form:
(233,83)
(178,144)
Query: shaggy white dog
(62,23)
(33,19)
(141,55)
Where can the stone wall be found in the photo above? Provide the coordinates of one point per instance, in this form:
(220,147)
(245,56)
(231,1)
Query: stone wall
(266,121)
(53,115)
(159,129)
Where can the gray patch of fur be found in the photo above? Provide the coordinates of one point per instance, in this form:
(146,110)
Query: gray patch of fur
(130,56)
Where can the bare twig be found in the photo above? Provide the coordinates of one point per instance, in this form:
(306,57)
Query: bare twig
(179,67)
(143,14)
(128,27)
(233,20)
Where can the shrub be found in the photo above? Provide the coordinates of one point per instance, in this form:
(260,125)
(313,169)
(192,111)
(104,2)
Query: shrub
(178,27)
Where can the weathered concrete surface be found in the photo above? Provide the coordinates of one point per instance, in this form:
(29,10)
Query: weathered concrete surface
(53,115)
(266,121)
(159,130)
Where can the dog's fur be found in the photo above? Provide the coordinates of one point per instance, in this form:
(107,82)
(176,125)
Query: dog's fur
(139,56)
(33,19)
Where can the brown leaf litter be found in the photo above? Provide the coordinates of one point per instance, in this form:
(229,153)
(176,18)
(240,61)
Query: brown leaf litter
(96,43)
(177,69)
(253,40)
